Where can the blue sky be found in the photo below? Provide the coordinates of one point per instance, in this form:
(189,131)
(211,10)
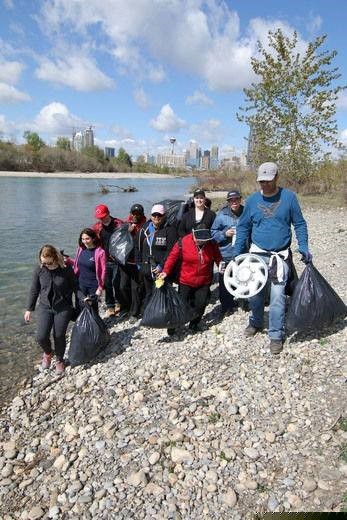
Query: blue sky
(141,71)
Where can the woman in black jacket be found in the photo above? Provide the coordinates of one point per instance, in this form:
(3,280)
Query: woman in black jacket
(154,243)
(53,284)
(198,217)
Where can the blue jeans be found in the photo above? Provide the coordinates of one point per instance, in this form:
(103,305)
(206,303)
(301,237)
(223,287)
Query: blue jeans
(277,305)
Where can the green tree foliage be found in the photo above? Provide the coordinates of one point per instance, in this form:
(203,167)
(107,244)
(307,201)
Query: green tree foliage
(124,158)
(94,152)
(291,110)
(34,140)
(63,143)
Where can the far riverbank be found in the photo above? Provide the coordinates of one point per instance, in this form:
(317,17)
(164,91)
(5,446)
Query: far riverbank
(91,175)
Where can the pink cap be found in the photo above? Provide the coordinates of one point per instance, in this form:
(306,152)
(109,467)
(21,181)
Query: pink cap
(158,208)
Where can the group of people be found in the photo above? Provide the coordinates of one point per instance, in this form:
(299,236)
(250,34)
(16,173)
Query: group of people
(183,252)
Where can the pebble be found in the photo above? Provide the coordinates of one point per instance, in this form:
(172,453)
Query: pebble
(35,513)
(309,485)
(252,453)
(179,455)
(230,498)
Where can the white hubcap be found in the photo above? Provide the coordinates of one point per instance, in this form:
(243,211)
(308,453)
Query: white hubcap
(245,276)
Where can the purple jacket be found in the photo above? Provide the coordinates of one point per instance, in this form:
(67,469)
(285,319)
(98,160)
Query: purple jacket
(100,265)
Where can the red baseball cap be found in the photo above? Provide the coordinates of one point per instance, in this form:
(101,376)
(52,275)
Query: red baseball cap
(101,211)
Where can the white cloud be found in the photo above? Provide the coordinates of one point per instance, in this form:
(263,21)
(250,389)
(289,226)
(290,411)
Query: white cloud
(197,37)
(343,137)
(199,98)
(314,24)
(342,101)
(209,132)
(76,71)
(10,94)
(56,119)
(10,71)
(167,121)
(141,98)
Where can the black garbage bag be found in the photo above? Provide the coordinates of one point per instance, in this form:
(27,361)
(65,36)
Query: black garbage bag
(314,304)
(121,244)
(174,210)
(89,336)
(165,309)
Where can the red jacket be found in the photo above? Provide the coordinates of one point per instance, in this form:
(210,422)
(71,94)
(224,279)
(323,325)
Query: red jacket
(97,227)
(196,264)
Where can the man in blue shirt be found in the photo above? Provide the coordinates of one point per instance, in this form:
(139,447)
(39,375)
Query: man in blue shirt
(267,220)
(223,231)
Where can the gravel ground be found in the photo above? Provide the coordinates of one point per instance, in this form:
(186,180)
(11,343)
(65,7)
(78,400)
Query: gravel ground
(199,426)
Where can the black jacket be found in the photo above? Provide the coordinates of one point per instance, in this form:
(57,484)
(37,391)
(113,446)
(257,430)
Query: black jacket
(188,222)
(155,254)
(54,288)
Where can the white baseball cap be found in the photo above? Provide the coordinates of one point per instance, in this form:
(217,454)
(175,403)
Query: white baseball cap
(267,171)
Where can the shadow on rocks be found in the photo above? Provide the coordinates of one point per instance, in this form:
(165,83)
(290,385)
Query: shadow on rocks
(310,335)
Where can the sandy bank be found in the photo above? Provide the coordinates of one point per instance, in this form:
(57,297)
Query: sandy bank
(93,175)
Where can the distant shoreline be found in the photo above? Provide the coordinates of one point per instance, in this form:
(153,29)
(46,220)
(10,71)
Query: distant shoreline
(92,175)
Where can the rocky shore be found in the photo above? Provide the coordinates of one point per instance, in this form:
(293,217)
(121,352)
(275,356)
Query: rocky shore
(207,426)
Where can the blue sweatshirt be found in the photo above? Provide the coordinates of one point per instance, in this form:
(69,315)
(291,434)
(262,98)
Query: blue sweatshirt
(268,220)
(224,220)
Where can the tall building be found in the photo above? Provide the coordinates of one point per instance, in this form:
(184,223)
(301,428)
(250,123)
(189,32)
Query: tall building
(205,160)
(194,155)
(109,152)
(172,161)
(89,137)
(78,141)
(214,162)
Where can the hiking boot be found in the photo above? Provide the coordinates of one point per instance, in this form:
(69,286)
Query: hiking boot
(59,367)
(194,327)
(110,312)
(171,332)
(276,346)
(46,361)
(117,309)
(251,331)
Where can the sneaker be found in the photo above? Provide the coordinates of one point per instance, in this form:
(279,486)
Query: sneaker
(117,309)
(110,312)
(171,332)
(276,346)
(251,331)
(133,320)
(59,367)
(46,361)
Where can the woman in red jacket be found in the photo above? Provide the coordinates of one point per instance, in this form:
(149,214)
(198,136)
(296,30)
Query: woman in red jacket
(197,254)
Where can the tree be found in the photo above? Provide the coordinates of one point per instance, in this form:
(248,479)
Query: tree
(124,158)
(94,152)
(63,143)
(291,110)
(34,140)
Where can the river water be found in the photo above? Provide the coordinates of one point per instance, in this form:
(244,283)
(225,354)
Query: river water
(37,211)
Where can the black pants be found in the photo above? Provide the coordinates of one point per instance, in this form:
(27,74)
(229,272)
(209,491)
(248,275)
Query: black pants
(111,284)
(88,291)
(47,319)
(226,299)
(148,283)
(130,289)
(196,298)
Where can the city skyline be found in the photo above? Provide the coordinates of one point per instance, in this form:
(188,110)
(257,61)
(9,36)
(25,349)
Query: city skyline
(140,75)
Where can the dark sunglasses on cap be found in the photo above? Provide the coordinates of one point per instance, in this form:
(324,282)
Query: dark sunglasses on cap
(157,215)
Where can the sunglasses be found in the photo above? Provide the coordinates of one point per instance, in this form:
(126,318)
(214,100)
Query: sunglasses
(48,263)
(157,215)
